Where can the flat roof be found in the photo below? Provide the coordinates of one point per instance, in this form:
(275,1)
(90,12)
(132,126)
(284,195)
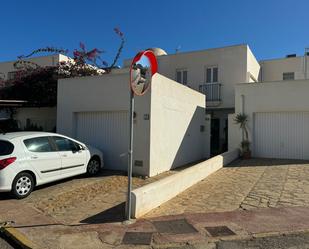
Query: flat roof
(31,58)
(283,58)
(275,81)
(199,51)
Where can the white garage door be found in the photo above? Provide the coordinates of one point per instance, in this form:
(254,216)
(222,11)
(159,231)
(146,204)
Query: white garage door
(108,131)
(281,135)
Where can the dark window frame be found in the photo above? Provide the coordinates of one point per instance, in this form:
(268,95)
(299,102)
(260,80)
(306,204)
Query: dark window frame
(183,73)
(287,76)
(212,74)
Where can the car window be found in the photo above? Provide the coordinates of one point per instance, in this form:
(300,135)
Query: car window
(65,144)
(38,144)
(6,148)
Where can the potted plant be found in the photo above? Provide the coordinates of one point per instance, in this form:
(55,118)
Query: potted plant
(241,120)
(246,152)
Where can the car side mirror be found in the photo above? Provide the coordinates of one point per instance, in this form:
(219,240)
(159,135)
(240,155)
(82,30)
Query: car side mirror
(76,149)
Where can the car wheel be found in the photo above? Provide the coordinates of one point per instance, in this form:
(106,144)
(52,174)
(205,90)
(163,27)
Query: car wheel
(23,185)
(94,167)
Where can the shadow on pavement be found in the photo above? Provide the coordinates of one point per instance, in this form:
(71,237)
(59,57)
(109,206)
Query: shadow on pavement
(7,243)
(102,174)
(111,215)
(5,196)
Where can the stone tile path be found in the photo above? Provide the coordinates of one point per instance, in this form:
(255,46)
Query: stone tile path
(245,184)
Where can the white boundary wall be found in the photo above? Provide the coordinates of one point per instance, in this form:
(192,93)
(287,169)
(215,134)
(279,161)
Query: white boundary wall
(150,196)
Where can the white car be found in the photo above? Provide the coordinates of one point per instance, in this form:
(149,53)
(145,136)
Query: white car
(29,159)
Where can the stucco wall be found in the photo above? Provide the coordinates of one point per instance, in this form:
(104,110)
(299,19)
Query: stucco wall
(280,96)
(178,125)
(253,67)
(235,133)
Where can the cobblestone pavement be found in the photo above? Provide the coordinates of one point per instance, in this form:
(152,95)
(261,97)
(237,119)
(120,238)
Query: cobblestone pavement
(245,184)
(84,199)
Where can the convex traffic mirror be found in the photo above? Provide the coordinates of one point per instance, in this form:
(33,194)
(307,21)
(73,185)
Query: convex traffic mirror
(143,67)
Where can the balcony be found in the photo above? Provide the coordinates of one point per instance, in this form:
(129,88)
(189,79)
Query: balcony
(212,92)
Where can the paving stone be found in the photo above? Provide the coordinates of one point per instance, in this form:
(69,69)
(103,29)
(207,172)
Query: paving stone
(86,240)
(174,227)
(219,231)
(137,238)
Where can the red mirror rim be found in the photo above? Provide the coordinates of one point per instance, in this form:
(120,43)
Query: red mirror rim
(153,64)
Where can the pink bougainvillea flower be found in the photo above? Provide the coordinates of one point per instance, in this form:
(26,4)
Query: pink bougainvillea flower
(93,53)
(77,53)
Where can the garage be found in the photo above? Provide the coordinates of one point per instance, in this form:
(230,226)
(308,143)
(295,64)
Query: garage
(281,135)
(108,131)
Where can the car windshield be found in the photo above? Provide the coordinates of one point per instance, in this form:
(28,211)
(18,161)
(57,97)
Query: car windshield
(6,148)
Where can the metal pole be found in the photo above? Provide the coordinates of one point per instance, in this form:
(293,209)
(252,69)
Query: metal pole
(306,63)
(130,158)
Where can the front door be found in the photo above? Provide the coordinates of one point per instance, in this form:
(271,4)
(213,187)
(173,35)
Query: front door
(215,137)
(43,157)
(73,159)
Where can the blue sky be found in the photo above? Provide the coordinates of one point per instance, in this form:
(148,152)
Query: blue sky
(272,28)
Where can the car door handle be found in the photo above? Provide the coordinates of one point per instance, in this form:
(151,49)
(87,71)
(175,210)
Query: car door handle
(64,155)
(34,157)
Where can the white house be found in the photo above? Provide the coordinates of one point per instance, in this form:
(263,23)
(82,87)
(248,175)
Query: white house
(277,108)
(8,70)
(291,67)
(214,72)
(278,118)
(44,117)
(218,73)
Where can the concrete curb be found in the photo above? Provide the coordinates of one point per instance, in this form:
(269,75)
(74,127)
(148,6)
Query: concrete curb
(152,195)
(18,238)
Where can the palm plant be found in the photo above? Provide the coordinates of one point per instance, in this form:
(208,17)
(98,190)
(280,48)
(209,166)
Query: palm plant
(241,119)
